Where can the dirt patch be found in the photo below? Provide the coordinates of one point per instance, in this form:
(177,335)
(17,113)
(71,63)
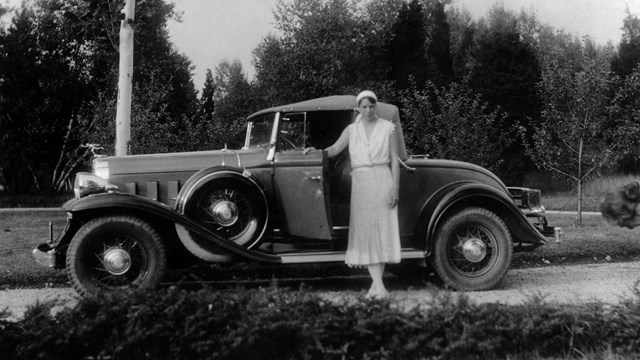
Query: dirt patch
(567,284)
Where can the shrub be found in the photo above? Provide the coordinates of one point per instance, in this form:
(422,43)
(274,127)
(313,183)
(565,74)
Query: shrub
(278,324)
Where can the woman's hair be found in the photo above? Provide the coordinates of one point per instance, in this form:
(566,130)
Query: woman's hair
(371,100)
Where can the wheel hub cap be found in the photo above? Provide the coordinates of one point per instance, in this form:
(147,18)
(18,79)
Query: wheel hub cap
(225,213)
(474,250)
(117,261)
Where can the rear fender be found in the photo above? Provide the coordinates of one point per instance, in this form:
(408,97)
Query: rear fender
(459,195)
(92,205)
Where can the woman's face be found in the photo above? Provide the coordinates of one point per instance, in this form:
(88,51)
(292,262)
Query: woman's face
(367,109)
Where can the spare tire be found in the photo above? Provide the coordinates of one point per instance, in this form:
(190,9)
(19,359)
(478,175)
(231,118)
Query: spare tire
(229,207)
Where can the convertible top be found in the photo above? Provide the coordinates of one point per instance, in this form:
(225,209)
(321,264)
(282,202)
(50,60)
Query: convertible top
(342,102)
(329,103)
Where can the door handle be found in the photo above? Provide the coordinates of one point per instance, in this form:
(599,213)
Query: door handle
(314,178)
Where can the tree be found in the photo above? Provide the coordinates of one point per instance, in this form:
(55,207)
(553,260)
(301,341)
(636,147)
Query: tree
(624,123)
(232,93)
(377,18)
(547,42)
(59,59)
(232,97)
(628,54)
(570,140)
(158,67)
(505,71)
(461,34)
(440,63)
(312,58)
(207,102)
(323,48)
(451,123)
(407,55)
(44,79)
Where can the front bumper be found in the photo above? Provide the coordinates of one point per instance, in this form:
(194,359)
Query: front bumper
(53,252)
(45,255)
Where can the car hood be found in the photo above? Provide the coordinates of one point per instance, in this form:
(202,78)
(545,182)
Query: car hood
(182,162)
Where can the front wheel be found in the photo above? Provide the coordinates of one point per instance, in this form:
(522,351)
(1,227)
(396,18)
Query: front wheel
(115,253)
(472,250)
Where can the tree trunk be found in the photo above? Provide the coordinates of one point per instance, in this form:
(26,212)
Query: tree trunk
(579,221)
(580,181)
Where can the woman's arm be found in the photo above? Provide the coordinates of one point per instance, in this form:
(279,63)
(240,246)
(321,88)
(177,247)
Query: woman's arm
(340,144)
(395,168)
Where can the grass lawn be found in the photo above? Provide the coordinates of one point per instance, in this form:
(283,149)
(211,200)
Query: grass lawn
(20,232)
(594,242)
(569,202)
(593,192)
(43,200)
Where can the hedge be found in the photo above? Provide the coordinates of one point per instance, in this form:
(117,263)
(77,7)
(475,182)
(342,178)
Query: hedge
(272,323)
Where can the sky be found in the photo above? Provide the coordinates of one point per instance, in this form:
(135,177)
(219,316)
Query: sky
(215,30)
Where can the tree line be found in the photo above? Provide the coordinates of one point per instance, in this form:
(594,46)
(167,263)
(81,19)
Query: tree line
(506,92)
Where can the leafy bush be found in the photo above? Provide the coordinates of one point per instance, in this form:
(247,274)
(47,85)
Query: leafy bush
(276,324)
(453,123)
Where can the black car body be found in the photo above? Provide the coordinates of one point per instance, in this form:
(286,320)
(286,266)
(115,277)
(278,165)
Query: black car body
(273,202)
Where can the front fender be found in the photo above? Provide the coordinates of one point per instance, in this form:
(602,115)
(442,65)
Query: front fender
(464,194)
(126,202)
(202,177)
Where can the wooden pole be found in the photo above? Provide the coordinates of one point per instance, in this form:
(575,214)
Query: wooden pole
(123,112)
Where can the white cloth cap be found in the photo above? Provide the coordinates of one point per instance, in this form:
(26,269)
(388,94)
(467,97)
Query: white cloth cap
(366,93)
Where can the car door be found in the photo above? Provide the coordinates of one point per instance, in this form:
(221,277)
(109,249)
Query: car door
(300,186)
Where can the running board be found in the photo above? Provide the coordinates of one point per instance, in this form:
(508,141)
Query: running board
(337,256)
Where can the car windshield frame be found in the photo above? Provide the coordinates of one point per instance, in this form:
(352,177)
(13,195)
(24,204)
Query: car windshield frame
(260,132)
(270,146)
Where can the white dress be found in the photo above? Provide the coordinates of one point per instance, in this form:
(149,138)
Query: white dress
(374,236)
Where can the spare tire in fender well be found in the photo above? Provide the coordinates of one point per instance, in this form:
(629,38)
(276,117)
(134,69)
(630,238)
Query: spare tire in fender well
(227,202)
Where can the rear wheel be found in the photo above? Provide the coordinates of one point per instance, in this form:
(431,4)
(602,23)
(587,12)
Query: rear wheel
(472,250)
(115,253)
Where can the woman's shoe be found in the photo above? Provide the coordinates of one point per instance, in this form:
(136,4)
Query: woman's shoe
(377,294)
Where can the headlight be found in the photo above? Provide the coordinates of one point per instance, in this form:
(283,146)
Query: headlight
(87,184)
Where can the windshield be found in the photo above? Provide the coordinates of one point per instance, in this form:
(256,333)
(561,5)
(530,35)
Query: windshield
(259,132)
(298,130)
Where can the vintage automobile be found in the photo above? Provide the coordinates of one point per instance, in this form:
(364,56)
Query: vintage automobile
(275,202)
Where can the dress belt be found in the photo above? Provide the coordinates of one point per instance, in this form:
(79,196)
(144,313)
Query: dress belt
(368,167)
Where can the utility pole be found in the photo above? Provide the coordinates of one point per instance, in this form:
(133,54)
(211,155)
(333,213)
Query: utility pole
(123,112)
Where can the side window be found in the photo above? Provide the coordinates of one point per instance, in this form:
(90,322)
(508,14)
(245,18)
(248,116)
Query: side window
(293,134)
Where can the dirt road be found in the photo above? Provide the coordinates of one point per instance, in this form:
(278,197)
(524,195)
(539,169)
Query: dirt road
(608,283)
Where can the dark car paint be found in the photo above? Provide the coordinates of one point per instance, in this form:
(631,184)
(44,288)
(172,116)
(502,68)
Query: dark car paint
(118,203)
(430,189)
(418,222)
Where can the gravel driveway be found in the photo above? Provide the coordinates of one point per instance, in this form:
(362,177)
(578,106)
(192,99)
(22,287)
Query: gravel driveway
(607,283)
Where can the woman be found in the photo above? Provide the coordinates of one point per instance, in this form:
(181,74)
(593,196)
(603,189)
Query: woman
(374,238)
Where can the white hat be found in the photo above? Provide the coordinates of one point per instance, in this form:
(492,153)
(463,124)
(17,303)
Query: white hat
(364,94)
